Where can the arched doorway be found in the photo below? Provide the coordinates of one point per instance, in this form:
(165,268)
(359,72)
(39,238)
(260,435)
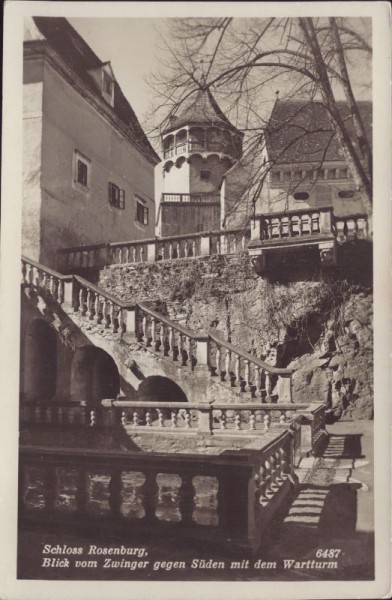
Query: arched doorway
(160,389)
(40,362)
(94,376)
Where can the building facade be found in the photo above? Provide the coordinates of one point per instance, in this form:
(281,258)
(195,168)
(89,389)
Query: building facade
(88,172)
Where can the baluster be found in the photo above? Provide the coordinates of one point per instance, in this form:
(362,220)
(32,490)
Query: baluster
(162,336)
(60,291)
(148,418)
(52,285)
(268,385)
(263,486)
(141,253)
(187,499)
(150,491)
(153,334)
(223,420)
(97,309)
(282,418)
(247,376)
(218,361)
(127,254)
(123,418)
(133,253)
(237,421)
(227,364)
(120,255)
(171,343)
(115,493)
(258,372)
(170,250)
(187,419)
(267,421)
(48,414)
(105,313)
(90,309)
(160,418)
(93,418)
(252,421)
(186,249)
(238,370)
(193,248)
(82,304)
(24,272)
(135,418)
(51,488)
(173,418)
(181,351)
(30,274)
(190,352)
(145,330)
(113,317)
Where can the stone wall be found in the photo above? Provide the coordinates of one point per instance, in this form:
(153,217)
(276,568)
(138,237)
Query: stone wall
(319,325)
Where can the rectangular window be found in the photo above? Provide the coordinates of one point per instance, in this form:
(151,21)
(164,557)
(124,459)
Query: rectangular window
(116,196)
(205,175)
(141,212)
(107,84)
(81,167)
(276,176)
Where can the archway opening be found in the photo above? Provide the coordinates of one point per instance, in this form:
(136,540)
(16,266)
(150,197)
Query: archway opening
(160,389)
(94,376)
(40,362)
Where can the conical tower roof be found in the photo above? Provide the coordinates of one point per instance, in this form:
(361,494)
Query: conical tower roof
(201,110)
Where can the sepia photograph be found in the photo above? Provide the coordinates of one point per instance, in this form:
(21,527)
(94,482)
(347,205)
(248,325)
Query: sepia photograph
(196,398)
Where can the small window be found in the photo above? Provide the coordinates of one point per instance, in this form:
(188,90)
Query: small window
(331,173)
(107,84)
(141,212)
(346,194)
(286,176)
(297,175)
(116,196)
(81,171)
(276,176)
(343,173)
(301,196)
(205,175)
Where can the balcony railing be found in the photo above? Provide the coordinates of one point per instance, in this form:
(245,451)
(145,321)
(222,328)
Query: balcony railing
(305,224)
(199,198)
(201,146)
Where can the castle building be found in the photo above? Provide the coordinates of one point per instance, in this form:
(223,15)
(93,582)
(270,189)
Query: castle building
(88,169)
(199,146)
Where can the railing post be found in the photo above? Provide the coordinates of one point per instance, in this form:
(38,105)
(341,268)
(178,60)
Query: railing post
(151,252)
(284,388)
(205,245)
(255,229)
(205,419)
(68,298)
(131,320)
(202,352)
(325,220)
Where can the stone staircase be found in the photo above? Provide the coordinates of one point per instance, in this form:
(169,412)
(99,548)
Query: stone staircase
(144,343)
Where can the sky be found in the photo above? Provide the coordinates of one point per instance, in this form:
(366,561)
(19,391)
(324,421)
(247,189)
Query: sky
(132,46)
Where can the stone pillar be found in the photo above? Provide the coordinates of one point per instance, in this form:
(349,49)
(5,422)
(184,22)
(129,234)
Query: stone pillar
(284,388)
(328,254)
(325,220)
(255,229)
(202,352)
(205,245)
(259,261)
(68,292)
(151,252)
(131,320)
(205,419)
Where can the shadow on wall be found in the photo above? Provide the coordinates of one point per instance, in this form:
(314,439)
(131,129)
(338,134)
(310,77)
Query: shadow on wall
(161,389)
(94,376)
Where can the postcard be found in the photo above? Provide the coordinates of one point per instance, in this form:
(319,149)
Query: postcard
(196,300)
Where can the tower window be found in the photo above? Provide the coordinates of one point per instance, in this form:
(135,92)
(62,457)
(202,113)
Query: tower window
(116,196)
(205,175)
(141,212)
(81,171)
(346,194)
(301,196)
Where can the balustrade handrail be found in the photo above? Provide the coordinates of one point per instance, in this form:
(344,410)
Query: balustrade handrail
(361,215)
(158,405)
(250,357)
(294,211)
(47,270)
(153,240)
(103,293)
(170,323)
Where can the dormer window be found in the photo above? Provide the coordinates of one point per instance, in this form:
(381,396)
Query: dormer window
(108,87)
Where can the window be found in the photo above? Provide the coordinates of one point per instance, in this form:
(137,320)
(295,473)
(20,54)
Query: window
(81,171)
(116,196)
(205,175)
(276,176)
(343,173)
(301,196)
(346,194)
(108,87)
(141,212)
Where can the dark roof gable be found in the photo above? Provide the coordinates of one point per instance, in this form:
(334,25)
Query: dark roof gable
(300,131)
(78,55)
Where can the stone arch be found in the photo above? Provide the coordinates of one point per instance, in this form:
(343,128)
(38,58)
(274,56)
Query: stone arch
(157,388)
(168,142)
(181,137)
(94,376)
(40,362)
(167,166)
(180,161)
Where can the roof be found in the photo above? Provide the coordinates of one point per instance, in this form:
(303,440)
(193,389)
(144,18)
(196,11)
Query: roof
(77,54)
(201,110)
(300,131)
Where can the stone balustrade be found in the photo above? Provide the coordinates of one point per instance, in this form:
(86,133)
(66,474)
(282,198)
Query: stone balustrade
(152,250)
(262,477)
(292,224)
(350,228)
(57,413)
(247,372)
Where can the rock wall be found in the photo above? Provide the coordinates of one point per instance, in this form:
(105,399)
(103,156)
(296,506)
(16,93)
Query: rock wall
(320,325)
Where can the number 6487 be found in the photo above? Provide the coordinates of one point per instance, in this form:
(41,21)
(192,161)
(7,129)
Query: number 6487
(328,552)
